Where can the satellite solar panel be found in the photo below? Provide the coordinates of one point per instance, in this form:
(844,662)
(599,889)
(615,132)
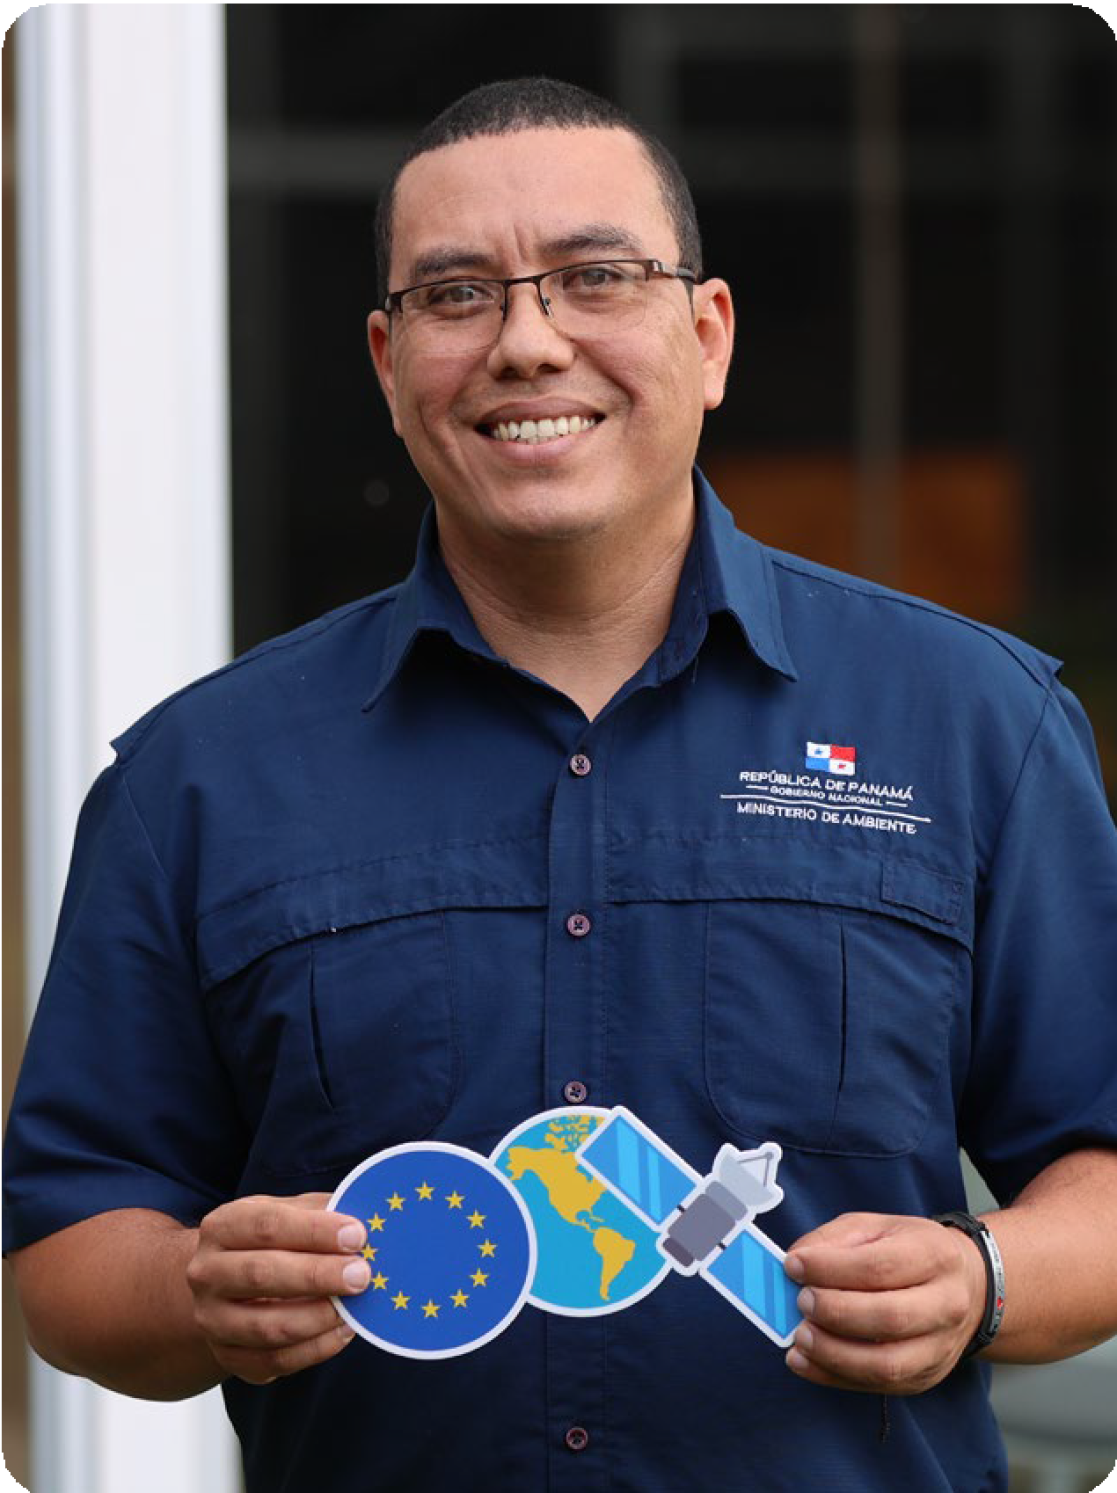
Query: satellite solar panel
(639,1167)
(749,1271)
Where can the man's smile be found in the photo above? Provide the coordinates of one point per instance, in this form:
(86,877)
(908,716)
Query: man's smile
(532,432)
(553,420)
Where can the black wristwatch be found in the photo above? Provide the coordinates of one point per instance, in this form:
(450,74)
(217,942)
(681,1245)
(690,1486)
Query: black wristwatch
(994,1277)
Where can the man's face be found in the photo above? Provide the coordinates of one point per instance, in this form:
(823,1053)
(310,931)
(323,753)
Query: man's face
(515,205)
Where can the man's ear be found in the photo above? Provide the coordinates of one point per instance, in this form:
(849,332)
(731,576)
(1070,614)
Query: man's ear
(380,346)
(715,324)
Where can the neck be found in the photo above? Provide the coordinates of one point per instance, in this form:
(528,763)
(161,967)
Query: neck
(582,614)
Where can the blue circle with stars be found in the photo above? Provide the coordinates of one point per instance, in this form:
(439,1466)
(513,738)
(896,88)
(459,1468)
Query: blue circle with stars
(450,1245)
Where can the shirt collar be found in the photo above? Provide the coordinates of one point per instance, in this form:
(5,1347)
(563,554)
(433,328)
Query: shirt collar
(427,601)
(736,574)
(725,571)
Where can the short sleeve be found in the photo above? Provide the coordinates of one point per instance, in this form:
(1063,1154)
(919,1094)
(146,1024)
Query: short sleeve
(122,1101)
(1043,1072)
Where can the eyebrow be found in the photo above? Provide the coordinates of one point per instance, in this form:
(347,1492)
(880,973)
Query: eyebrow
(455,259)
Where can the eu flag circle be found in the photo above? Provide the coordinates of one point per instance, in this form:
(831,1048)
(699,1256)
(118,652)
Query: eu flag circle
(450,1245)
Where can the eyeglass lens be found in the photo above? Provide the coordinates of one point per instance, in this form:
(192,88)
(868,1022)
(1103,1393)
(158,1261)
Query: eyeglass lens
(581,300)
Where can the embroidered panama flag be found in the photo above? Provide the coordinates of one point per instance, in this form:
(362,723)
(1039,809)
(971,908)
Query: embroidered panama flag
(823,756)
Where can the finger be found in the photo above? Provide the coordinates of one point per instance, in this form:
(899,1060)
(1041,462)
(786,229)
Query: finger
(906,1367)
(264,1367)
(891,1263)
(848,1229)
(887,1316)
(318,1201)
(266,1326)
(245,1274)
(256,1223)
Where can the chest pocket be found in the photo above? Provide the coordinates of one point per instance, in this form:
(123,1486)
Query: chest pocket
(332,1000)
(830,986)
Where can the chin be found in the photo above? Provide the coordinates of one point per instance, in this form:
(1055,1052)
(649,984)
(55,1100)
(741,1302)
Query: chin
(539,514)
(547,528)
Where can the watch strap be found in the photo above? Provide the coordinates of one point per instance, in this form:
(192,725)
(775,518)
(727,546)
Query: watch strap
(994,1312)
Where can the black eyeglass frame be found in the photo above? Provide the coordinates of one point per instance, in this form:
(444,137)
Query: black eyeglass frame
(653,268)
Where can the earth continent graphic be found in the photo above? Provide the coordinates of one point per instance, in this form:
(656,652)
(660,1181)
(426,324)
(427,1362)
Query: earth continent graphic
(594,1254)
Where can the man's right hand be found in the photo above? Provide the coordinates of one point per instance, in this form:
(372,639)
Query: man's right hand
(261,1276)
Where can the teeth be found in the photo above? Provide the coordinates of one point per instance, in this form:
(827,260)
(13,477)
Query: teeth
(531,432)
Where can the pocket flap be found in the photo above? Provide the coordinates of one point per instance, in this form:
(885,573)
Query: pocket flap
(908,884)
(503,873)
(713,868)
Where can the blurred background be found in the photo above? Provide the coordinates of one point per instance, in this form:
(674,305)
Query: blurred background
(916,207)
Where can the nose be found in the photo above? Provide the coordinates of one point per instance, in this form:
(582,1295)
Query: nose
(529,340)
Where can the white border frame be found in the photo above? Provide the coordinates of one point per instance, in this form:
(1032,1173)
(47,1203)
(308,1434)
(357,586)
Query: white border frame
(121,188)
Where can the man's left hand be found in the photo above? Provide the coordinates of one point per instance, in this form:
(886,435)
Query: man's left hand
(889,1303)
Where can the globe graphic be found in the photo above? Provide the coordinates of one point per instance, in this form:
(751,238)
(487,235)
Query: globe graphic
(594,1254)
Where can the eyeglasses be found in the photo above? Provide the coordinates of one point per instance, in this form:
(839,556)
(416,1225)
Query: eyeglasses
(583,300)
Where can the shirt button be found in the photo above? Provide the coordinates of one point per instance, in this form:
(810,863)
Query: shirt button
(575,1091)
(578,925)
(577,1438)
(580,765)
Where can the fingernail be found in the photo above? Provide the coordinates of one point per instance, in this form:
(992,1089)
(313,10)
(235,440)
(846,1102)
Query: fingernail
(346,1333)
(804,1338)
(793,1266)
(805,1301)
(352,1236)
(356,1276)
(795,1360)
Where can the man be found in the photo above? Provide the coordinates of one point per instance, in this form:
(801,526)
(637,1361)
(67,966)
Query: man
(606,805)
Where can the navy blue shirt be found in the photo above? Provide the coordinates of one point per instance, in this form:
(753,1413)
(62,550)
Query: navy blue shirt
(850,884)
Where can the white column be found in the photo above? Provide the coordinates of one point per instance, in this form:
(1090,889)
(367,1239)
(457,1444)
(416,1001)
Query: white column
(124,450)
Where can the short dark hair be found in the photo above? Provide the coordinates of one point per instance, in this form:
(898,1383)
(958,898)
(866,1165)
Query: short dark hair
(516,104)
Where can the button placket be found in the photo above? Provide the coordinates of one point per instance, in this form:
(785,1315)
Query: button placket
(574,1028)
(574,1009)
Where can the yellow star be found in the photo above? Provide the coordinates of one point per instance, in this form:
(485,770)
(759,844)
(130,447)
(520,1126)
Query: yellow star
(476,1220)
(430,1309)
(455,1199)
(459,1298)
(400,1301)
(368,1252)
(479,1278)
(488,1248)
(379,1282)
(395,1202)
(425,1191)
(376,1223)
